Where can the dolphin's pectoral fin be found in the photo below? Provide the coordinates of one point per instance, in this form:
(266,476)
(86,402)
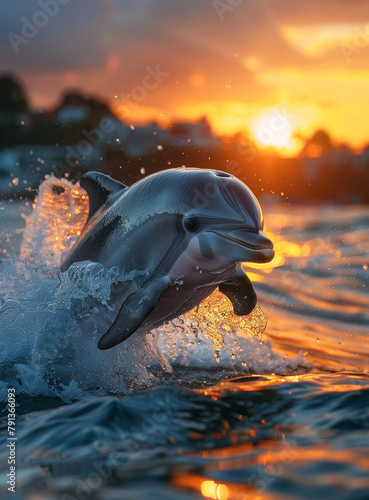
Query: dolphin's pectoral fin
(240,292)
(133,313)
(99,187)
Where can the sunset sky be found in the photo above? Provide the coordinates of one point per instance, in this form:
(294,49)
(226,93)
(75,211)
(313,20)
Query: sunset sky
(278,68)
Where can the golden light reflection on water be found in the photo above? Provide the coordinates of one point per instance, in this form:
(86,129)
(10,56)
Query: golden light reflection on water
(219,491)
(283,250)
(275,457)
(210,489)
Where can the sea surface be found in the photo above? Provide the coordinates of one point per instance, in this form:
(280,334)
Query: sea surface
(209,406)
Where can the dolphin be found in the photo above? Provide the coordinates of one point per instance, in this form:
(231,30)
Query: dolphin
(183,231)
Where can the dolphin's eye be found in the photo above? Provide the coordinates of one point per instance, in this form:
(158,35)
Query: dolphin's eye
(191,224)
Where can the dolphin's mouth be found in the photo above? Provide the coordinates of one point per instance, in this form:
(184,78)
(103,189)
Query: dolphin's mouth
(255,241)
(242,243)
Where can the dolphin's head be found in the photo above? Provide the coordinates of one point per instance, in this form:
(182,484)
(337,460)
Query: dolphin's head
(225,220)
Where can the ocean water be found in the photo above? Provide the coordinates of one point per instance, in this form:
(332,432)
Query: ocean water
(208,406)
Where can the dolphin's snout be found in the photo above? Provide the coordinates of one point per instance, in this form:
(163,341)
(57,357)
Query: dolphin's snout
(258,247)
(257,241)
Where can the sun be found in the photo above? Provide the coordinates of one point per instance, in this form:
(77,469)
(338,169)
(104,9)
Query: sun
(273,129)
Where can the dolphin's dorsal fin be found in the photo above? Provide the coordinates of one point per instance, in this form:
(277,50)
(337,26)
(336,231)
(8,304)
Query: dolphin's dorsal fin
(99,187)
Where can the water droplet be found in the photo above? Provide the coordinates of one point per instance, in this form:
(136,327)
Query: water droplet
(244,363)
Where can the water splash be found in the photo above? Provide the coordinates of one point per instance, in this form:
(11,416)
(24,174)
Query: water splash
(59,214)
(216,318)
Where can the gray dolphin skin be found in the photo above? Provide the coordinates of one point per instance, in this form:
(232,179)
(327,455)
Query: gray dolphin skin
(184,231)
